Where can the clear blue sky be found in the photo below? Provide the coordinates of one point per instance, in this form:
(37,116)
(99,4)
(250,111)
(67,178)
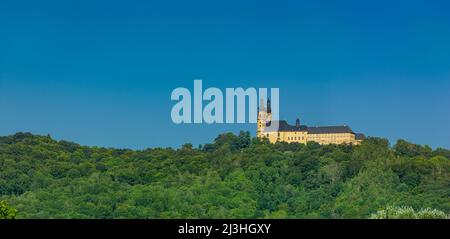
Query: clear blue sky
(101,72)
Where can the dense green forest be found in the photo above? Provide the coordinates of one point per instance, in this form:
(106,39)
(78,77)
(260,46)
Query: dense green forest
(236,176)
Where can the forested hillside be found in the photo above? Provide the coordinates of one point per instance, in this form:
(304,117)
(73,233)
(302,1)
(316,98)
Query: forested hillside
(233,177)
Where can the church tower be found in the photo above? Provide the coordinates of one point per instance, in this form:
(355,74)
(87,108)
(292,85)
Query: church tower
(264,116)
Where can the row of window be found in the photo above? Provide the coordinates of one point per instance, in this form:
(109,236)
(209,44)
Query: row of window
(296,138)
(329,136)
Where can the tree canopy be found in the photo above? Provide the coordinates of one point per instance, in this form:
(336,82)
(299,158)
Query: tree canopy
(6,212)
(235,176)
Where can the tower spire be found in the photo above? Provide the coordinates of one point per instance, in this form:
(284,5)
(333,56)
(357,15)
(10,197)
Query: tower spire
(261,105)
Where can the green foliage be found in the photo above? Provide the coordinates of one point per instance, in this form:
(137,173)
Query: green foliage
(6,212)
(409,213)
(236,176)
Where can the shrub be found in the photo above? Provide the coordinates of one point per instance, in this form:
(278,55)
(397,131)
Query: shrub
(392,212)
